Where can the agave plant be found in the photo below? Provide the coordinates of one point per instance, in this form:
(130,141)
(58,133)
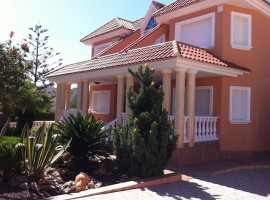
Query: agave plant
(88,137)
(39,149)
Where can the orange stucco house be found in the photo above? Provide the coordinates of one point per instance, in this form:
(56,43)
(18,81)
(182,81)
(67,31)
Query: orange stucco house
(210,56)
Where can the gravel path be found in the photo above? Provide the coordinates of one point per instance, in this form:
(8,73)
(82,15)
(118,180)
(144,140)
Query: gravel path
(242,185)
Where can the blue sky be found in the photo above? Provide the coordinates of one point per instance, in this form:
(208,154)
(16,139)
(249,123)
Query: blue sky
(67,20)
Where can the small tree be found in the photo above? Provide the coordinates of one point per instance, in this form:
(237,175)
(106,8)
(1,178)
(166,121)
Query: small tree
(41,56)
(145,144)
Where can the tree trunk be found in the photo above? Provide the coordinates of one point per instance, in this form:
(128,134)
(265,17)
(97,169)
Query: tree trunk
(5,127)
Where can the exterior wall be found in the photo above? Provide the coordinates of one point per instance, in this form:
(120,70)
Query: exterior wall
(113,88)
(149,40)
(254,136)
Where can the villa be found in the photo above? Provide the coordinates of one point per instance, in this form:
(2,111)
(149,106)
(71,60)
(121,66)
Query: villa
(211,58)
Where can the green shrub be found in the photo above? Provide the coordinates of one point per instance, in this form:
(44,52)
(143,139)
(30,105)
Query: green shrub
(145,144)
(45,116)
(7,162)
(88,137)
(39,149)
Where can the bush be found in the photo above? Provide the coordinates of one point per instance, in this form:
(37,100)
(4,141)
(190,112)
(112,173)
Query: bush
(7,161)
(145,144)
(88,138)
(45,116)
(38,150)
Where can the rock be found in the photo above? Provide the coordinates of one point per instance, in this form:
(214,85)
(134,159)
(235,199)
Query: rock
(91,185)
(59,180)
(33,186)
(55,174)
(42,182)
(98,185)
(134,178)
(49,170)
(24,185)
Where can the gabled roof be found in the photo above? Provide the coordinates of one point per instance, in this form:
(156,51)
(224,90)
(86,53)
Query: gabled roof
(137,23)
(112,25)
(161,51)
(175,6)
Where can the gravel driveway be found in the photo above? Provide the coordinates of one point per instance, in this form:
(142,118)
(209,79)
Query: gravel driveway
(242,185)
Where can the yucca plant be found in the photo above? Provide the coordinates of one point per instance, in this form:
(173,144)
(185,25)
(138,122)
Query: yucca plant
(88,137)
(39,149)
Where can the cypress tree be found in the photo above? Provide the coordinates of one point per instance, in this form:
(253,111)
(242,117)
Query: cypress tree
(144,145)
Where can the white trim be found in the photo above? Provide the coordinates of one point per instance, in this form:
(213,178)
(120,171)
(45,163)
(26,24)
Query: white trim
(178,27)
(97,47)
(252,4)
(99,92)
(244,121)
(249,17)
(147,18)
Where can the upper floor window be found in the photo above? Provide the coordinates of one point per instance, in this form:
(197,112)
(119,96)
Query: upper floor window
(151,24)
(240,104)
(197,31)
(160,40)
(240,31)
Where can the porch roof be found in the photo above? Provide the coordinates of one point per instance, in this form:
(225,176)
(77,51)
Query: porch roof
(146,54)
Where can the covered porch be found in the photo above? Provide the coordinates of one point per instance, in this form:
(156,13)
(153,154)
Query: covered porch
(179,69)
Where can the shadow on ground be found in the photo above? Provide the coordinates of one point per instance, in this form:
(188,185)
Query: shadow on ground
(182,190)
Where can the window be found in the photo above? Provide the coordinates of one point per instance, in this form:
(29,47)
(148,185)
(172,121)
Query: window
(151,24)
(240,31)
(101,102)
(240,104)
(203,101)
(198,31)
(160,40)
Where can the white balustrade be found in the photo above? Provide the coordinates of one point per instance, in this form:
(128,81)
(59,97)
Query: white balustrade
(172,119)
(107,126)
(39,123)
(12,124)
(71,111)
(205,129)
(123,119)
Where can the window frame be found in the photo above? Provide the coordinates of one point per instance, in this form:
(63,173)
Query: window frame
(237,46)
(179,25)
(247,119)
(93,96)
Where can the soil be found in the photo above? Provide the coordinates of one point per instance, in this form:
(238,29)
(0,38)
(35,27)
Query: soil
(8,192)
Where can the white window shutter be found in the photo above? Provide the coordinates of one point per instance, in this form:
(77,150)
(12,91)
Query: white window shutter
(240,31)
(198,33)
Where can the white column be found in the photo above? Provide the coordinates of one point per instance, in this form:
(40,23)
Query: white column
(63,96)
(85,100)
(79,96)
(167,89)
(120,97)
(129,82)
(191,85)
(57,106)
(179,99)
(67,102)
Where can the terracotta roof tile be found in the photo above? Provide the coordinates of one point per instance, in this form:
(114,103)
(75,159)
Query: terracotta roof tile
(137,23)
(175,6)
(112,25)
(158,5)
(140,38)
(161,51)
